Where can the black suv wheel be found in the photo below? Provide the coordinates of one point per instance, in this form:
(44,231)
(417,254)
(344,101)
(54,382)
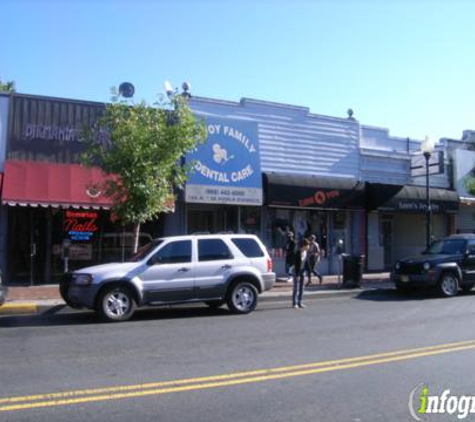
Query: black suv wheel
(448,285)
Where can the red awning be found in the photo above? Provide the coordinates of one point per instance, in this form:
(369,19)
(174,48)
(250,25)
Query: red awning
(53,185)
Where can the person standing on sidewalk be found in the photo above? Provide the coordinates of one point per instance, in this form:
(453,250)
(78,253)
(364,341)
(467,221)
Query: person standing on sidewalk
(289,255)
(299,274)
(313,260)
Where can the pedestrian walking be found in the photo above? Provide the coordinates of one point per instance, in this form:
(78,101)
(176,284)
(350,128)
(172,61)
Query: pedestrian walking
(299,274)
(289,255)
(313,260)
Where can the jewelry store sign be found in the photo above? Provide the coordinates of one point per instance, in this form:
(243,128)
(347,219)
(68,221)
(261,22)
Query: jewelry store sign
(226,168)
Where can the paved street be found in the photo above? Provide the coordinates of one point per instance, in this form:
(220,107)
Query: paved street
(274,364)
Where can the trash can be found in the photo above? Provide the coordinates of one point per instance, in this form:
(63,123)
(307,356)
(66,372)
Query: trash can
(352,270)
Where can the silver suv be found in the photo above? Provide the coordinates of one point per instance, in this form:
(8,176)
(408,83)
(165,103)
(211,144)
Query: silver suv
(215,269)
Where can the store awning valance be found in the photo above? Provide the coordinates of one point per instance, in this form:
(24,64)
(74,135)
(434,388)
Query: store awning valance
(413,199)
(380,193)
(28,183)
(313,192)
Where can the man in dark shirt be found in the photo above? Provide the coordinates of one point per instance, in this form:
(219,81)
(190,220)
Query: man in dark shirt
(289,255)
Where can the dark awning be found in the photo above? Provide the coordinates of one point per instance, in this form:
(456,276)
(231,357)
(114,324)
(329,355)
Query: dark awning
(413,199)
(55,185)
(380,193)
(313,192)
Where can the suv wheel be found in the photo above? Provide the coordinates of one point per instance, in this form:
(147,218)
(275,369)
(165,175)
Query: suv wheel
(116,304)
(242,298)
(448,285)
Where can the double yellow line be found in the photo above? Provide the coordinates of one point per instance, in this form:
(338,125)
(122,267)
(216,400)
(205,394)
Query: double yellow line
(224,380)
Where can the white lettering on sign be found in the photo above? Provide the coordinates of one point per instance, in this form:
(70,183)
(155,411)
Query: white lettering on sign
(214,129)
(67,133)
(239,136)
(242,174)
(220,176)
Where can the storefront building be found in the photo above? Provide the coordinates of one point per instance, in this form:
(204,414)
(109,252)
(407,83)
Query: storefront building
(293,170)
(54,217)
(396,201)
(266,168)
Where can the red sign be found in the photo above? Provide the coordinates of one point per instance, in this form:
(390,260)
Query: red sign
(81,225)
(319,198)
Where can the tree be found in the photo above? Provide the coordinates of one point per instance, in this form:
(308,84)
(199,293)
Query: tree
(7,86)
(143,155)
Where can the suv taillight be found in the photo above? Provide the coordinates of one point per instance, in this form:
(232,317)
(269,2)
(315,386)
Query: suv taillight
(269,265)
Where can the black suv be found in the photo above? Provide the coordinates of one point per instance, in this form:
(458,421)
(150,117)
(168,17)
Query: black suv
(448,264)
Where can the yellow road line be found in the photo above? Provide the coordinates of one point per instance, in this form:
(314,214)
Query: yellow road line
(228,376)
(227,380)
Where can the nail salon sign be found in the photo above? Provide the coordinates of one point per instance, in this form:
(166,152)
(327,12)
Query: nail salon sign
(226,168)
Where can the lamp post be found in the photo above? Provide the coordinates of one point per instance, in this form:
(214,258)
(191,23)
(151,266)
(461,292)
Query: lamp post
(427,148)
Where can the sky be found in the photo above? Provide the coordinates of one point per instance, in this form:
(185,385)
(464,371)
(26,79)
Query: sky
(404,65)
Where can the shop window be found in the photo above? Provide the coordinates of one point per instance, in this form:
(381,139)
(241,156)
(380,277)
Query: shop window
(339,220)
(251,220)
(302,222)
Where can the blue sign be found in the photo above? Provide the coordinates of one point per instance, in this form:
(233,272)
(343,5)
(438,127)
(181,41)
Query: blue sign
(226,168)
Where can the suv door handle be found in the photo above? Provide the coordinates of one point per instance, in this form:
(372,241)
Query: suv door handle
(184,269)
(226,267)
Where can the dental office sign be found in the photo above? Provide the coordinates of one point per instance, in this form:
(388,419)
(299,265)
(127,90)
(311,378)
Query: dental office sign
(226,168)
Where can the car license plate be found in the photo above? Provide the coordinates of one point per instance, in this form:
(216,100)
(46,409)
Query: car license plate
(404,278)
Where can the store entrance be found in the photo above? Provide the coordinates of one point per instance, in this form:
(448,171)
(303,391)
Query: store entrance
(212,219)
(387,231)
(30,245)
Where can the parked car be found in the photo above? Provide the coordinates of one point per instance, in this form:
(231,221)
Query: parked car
(214,269)
(448,265)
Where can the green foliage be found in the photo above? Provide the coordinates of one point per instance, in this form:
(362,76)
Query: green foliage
(7,86)
(470,184)
(143,154)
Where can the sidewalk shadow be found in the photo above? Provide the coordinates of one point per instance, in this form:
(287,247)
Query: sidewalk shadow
(65,316)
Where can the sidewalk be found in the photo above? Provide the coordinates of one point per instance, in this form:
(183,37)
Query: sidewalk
(39,299)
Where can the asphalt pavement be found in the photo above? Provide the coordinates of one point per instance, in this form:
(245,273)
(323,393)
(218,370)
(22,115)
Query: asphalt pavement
(26,299)
(343,359)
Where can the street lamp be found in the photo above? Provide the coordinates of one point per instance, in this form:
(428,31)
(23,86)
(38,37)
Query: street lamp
(427,148)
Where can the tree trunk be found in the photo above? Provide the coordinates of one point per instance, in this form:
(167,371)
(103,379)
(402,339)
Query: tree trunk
(136,237)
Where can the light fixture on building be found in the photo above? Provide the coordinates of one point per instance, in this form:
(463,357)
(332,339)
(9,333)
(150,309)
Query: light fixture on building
(186,86)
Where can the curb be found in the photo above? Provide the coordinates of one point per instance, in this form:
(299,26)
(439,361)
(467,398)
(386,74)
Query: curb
(30,307)
(23,308)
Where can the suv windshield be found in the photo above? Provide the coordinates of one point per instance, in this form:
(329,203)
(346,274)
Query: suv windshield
(144,251)
(447,246)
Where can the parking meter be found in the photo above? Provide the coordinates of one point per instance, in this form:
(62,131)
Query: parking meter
(66,248)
